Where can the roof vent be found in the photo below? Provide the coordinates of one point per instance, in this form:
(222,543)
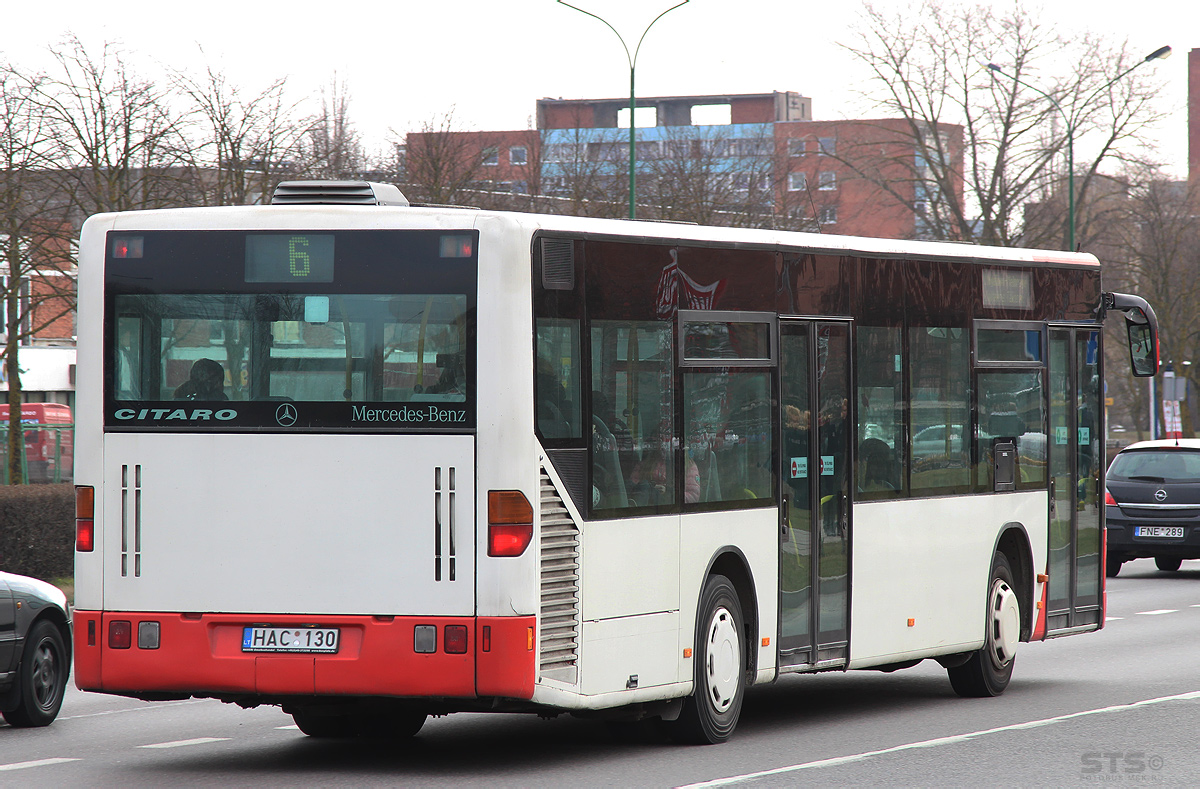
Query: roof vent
(337,193)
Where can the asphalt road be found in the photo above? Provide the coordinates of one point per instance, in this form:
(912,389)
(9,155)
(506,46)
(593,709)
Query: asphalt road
(1117,707)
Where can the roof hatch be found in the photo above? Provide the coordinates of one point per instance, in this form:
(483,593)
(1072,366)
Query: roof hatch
(337,193)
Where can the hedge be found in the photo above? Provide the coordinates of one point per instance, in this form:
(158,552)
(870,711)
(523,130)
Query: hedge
(37,530)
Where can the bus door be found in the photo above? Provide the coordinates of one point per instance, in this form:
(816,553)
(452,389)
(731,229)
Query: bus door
(1076,452)
(814,556)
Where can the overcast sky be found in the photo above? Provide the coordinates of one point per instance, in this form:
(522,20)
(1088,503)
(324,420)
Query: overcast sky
(406,61)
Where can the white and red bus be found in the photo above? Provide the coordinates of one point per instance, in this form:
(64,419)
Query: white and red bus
(371,461)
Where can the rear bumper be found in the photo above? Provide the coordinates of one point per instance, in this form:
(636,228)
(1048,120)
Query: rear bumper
(1122,542)
(201,655)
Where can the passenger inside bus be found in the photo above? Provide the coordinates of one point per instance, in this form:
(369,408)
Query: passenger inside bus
(205,382)
(875,466)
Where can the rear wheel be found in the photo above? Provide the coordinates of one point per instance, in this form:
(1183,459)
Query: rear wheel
(989,670)
(42,677)
(710,714)
(1167,564)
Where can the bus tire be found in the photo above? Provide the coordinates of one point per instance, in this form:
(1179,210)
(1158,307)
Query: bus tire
(315,724)
(42,677)
(710,714)
(989,670)
(1168,564)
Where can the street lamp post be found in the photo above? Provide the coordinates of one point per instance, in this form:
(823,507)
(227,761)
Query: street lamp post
(1159,53)
(632,59)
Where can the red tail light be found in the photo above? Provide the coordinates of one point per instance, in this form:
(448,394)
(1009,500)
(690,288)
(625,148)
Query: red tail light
(85,535)
(120,634)
(455,639)
(510,523)
(1108,498)
(85,510)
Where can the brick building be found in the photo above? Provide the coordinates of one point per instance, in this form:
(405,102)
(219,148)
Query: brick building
(46,304)
(1194,115)
(757,159)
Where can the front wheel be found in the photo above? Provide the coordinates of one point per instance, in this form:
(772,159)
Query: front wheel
(42,677)
(989,670)
(710,714)
(1167,564)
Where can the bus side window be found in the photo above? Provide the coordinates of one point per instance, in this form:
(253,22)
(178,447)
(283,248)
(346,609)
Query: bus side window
(559,403)
(129,358)
(633,462)
(880,413)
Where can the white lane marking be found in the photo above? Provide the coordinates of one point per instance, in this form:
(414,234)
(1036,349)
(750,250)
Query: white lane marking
(1159,611)
(953,739)
(36,763)
(181,743)
(1113,618)
(157,705)
(293,727)
(1195,605)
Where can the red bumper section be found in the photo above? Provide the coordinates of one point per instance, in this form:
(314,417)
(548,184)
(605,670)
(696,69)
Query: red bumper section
(201,654)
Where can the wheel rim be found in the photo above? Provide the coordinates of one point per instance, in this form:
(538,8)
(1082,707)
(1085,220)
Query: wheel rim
(1004,628)
(723,664)
(45,676)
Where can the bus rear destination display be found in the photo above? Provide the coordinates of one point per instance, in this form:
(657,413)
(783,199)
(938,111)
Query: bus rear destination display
(289,257)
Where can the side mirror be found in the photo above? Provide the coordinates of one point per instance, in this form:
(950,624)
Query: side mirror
(1142,327)
(1141,349)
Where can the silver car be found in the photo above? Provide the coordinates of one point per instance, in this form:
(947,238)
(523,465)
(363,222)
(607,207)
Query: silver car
(35,650)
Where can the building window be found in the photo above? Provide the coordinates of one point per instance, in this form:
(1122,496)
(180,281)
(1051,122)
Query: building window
(752,147)
(797,182)
(828,215)
(491,156)
(518,154)
(827,181)
(827,146)
(795,147)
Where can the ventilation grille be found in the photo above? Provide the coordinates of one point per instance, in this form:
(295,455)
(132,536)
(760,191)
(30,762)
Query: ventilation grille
(571,466)
(337,193)
(558,264)
(559,648)
(131,520)
(445,510)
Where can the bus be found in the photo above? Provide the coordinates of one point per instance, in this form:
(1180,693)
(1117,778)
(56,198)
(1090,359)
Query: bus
(49,440)
(372,461)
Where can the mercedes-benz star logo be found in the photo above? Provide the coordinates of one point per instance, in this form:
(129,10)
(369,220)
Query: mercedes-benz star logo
(285,415)
(1160,495)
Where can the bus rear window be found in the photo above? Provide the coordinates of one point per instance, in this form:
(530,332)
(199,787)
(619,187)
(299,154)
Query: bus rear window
(314,356)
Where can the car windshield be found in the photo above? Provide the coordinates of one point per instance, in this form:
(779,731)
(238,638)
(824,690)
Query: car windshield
(1171,464)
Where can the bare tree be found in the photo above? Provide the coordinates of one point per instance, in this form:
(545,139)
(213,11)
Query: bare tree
(245,144)
(330,146)
(1160,241)
(119,143)
(703,175)
(929,65)
(584,171)
(443,162)
(38,281)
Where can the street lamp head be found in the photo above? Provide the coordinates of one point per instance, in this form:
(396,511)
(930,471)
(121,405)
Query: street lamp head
(995,68)
(1162,53)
